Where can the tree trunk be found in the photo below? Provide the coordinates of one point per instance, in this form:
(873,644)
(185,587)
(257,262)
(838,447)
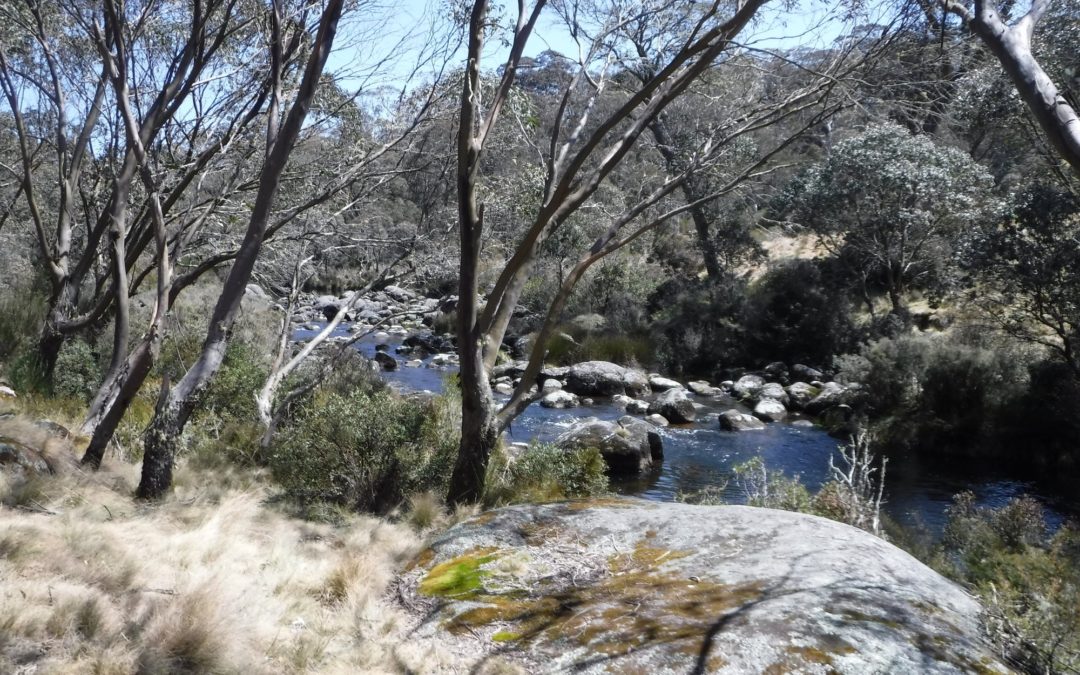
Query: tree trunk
(176,405)
(479,434)
(126,387)
(692,191)
(160,446)
(1011,45)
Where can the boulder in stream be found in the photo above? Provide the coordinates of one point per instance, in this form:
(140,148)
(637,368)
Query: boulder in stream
(602,378)
(733,420)
(675,406)
(629,446)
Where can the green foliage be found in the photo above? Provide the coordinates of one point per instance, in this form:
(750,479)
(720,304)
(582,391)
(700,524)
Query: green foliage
(795,316)
(545,473)
(21,309)
(697,324)
(936,391)
(226,427)
(1030,272)
(771,490)
(893,205)
(26,372)
(617,348)
(77,374)
(1028,583)
(366,451)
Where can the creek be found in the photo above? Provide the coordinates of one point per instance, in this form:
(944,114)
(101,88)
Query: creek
(701,455)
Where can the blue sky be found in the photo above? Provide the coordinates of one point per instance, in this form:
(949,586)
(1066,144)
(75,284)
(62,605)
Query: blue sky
(402,30)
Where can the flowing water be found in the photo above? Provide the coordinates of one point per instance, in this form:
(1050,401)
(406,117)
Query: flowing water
(701,455)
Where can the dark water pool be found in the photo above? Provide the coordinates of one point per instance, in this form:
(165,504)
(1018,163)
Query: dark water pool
(917,490)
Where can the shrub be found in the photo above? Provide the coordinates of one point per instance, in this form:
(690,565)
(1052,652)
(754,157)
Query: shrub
(795,316)
(697,324)
(1029,585)
(21,309)
(771,490)
(545,473)
(935,391)
(365,451)
(77,373)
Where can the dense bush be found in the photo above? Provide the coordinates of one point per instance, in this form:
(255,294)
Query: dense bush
(77,373)
(366,451)
(21,309)
(934,391)
(545,473)
(1029,584)
(795,315)
(697,324)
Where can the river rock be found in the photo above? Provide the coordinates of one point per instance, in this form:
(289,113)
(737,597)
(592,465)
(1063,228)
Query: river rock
(702,388)
(559,399)
(806,373)
(770,410)
(658,383)
(443,360)
(777,370)
(831,394)
(748,386)
(428,343)
(551,384)
(601,378)
(6,392)
(399,294)
(631,405)
(627,586)
(504,388)
(675,406)
(800,393)
(775,391)
(385,361)
(629,446)
(657,420)
(733,420)
(839,420)
(414,363)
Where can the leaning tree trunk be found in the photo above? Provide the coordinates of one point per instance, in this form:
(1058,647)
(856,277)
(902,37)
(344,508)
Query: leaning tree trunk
(1011,45)
(175,406)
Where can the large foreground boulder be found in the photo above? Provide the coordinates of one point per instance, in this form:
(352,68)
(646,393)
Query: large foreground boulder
(629,446)
(601,378)
(625,586)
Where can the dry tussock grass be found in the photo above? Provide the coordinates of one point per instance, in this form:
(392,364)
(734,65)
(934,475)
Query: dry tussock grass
(211,581)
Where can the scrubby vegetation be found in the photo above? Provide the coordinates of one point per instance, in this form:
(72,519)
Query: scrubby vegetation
(871,205)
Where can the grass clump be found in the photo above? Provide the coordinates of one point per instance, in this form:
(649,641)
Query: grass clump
(545,473)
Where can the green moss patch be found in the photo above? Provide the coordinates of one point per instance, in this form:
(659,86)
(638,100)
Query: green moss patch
(460,577)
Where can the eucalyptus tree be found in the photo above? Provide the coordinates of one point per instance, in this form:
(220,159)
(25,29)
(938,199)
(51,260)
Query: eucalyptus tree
(1029,269)
(578,153)
(893,206)
(78,157)
(284,122)
(1011,40)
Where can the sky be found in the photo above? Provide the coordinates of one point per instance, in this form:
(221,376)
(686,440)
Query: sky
(403,30)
